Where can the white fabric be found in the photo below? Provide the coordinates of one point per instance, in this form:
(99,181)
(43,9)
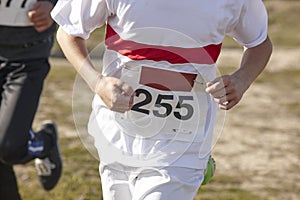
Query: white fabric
(170,127)
(80,17)
(174,183)
(174,23)
(15,14)
(204,21)
(136,139)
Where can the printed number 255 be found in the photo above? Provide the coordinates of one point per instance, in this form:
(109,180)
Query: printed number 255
(160,104)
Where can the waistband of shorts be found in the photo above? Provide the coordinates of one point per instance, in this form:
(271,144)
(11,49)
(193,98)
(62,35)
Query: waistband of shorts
(27,44)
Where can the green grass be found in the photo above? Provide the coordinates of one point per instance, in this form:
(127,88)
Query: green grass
(225,187)
(227,194)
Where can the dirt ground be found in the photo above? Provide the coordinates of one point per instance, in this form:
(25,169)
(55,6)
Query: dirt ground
(260,138)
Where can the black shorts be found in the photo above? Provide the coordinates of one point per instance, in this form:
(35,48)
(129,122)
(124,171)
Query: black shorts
(21,84)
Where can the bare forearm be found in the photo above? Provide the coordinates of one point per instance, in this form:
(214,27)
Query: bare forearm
(117,95)
(253,63)
(76,52)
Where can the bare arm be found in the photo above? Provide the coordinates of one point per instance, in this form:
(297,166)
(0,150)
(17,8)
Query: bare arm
(115,94)
(228,90)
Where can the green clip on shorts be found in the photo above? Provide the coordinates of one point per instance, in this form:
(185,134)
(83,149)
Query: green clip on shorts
(209,171)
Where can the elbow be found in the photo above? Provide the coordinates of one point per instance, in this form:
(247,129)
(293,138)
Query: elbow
(268,45)
(266,51)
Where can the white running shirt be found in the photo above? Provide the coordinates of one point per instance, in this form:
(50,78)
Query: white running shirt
(150,45)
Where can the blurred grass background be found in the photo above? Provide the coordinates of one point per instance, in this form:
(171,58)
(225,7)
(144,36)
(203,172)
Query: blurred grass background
(80,180)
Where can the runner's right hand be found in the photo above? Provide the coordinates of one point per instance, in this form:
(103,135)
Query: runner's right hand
(117,95)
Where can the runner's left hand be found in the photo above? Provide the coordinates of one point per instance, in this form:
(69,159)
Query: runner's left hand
(227,90)
(40,15)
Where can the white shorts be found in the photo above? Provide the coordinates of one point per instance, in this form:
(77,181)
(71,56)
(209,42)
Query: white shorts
(124,183)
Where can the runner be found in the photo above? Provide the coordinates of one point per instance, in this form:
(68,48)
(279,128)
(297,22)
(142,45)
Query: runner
(158,94)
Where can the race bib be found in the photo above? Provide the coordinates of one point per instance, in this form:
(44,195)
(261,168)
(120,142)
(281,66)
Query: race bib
(15,12)
(167,104)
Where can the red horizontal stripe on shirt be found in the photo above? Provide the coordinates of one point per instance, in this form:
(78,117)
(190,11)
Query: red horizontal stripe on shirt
(174,55)
(167,80)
